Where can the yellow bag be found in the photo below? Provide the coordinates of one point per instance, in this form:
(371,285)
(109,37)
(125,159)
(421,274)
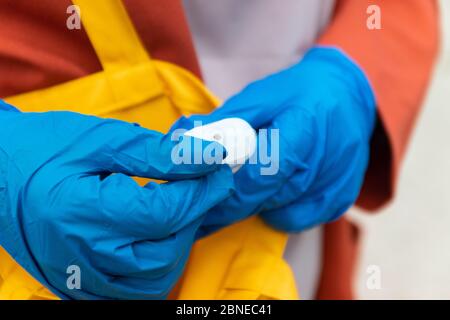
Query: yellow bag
(243,261)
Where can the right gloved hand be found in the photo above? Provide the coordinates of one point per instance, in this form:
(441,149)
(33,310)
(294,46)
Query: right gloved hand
(67,198)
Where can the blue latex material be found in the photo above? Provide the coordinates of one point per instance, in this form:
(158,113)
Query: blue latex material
(325,111)
(67,198)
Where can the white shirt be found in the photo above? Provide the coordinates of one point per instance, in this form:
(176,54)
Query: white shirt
(239,41)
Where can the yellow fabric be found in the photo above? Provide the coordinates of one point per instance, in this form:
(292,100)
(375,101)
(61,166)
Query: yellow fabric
(243,261)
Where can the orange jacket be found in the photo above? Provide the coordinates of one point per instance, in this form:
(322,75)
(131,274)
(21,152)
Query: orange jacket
(37,50)
(398,60)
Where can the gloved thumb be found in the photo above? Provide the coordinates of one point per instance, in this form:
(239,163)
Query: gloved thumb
(136,151)
(258,104)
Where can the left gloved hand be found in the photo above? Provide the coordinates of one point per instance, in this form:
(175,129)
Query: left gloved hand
(68,202)
(324,109)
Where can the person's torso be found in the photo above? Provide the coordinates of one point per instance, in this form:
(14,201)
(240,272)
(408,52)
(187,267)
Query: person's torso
(240,41)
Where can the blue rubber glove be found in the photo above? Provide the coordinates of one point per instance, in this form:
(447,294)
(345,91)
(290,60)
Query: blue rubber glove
(67,199)
(325,111)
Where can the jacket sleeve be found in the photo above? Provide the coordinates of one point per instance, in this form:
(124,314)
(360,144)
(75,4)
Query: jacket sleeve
(398,60)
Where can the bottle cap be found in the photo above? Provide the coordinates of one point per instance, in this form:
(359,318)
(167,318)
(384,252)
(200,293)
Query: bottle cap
(235,134)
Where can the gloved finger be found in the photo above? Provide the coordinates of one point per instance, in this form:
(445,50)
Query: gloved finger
(259,194)
(264,185)
(152,212)
(237,208)
(304,150)
(231,210)
(296,217)
(330,196)
(122,147)
(306,213)
(252,190)
(137,287)
(149,269)
(294,187)
(140,270)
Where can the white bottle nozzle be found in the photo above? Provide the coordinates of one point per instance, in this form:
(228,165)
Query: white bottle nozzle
(235,134)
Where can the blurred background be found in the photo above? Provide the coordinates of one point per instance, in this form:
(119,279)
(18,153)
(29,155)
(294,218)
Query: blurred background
(410,239)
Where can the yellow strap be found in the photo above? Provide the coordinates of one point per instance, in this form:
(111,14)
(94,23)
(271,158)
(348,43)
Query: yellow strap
(108,20)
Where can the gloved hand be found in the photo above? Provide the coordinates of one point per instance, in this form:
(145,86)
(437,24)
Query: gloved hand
(324,109)
(67,198)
